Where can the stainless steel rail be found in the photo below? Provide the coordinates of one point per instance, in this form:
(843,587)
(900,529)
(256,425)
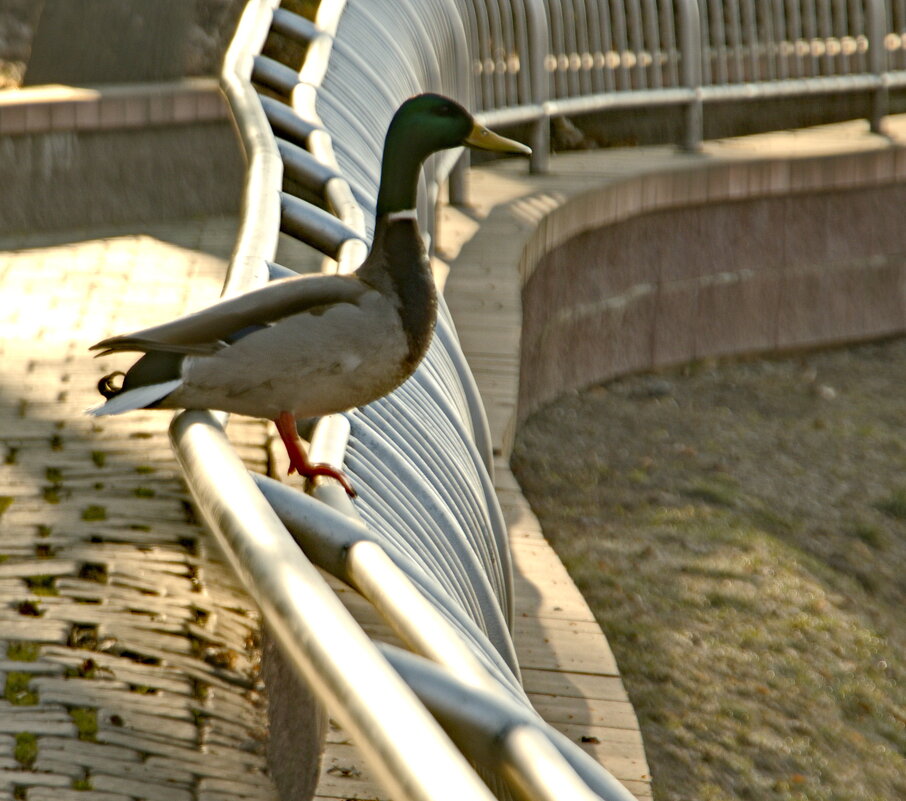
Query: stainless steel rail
(425,542)
(400,740)
(533,60)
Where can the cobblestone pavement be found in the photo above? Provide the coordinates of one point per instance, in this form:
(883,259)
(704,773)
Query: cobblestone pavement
(129,658)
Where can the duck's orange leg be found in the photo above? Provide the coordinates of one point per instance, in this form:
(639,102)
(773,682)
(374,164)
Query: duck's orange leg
(298,458)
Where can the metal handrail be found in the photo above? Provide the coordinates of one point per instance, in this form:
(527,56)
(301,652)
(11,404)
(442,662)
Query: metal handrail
(447,590)
(328,648)
(316,632)
(637,54)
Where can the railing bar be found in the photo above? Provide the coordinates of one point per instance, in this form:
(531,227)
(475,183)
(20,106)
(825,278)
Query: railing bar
(496,56)
(824,31)
(293,26)
(719,40)
(897,24)
(608,48)
(313,225)
(324,643)
(653,44)
(734,36)
(571,52)
(302,167)
(636,31)
(491,730)
(522,82)
(669,43)
(750,42)
(411,440)
(328,537)
(783,55)
(621,45)
(274,75)
(485,38)
(403,516)
(771,54)
(594,48)
(584,62)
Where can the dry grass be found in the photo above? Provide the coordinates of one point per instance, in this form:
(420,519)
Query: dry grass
(740,533)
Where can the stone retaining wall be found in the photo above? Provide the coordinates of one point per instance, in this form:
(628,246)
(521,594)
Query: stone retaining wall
(71,157)
(713,259)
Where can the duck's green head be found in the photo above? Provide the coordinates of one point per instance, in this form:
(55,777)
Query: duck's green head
(421,126)
(430,122)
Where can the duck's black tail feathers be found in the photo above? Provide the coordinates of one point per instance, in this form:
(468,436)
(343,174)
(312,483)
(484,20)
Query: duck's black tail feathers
(148,382)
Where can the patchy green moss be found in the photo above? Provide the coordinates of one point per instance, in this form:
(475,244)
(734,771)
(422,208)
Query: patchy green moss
(30,608)
(44,551)
(23,651)
(99,458)
(93,571)
(52,493)
(42,585)
(86,722)
(144,492)
(5,502)
(94,512)
(83,785)
(16,690)
(716,493)
(26,750)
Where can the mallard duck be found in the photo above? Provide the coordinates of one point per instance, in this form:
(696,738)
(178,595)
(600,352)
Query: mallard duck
(316,344)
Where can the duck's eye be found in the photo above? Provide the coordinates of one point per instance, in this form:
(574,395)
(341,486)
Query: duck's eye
(445,111)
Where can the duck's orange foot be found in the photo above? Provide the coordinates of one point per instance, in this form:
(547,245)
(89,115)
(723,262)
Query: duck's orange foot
(298,458)
(309,470)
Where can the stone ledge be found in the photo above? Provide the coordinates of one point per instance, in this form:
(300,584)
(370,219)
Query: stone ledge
(72,157)
(740,251)
(55,108)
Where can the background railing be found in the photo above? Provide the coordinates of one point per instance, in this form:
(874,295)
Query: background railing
(534,60)
(425,542)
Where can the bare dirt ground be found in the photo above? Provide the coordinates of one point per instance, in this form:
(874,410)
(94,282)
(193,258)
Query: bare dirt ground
(739,531)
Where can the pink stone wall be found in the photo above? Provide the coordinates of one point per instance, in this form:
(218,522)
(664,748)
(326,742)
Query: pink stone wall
(815,258)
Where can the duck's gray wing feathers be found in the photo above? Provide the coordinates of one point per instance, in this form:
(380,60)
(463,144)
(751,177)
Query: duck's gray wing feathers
(207,331)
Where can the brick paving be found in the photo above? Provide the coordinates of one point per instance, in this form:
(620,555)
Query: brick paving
(127,648)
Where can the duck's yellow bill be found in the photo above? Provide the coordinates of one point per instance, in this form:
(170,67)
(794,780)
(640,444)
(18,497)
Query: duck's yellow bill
(483,139)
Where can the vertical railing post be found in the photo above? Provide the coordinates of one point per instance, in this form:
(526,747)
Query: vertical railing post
(876,29)
(538,41)
(690,42)
(457,188)
(456,181)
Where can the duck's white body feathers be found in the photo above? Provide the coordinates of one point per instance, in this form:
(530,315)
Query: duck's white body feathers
(329,361)
(310,346)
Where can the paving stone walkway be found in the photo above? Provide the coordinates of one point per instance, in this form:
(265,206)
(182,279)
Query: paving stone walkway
(127,647)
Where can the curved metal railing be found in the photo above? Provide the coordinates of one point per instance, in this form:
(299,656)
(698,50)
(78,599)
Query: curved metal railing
(533,60)
(426,542)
